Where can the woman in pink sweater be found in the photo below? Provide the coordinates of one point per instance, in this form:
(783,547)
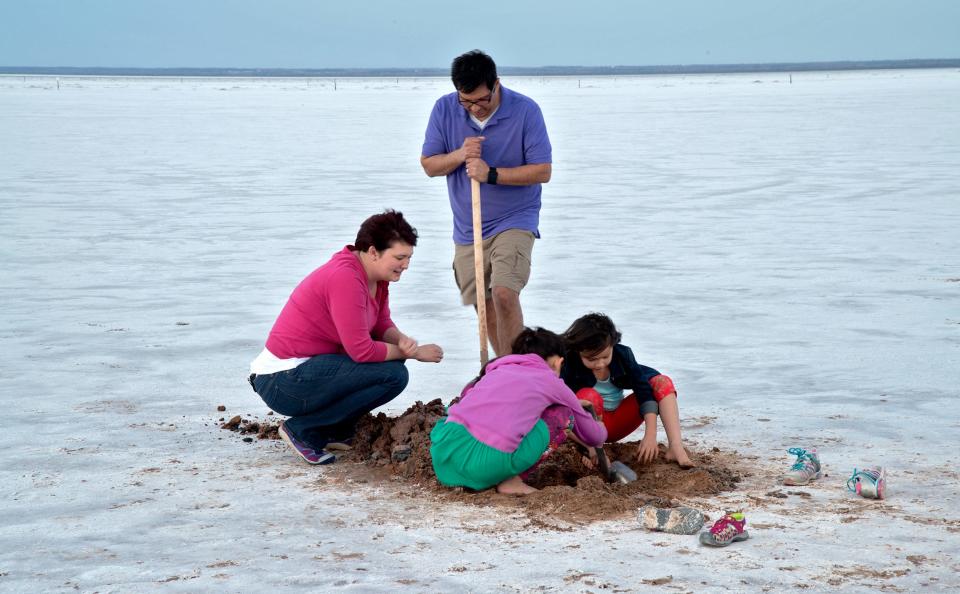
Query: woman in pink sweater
(510,418)
(334,354)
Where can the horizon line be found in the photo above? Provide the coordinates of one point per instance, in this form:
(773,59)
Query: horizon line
(508,70)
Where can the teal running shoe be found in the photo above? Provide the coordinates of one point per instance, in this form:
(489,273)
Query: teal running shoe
(868,482)
(725,531)
(805,469)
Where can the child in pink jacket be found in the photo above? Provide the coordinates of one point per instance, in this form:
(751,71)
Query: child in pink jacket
(504,424)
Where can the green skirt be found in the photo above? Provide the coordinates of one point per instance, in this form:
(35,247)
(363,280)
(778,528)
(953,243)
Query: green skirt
(461,460)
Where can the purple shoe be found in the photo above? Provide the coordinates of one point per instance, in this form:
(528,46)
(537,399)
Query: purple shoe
(304,450)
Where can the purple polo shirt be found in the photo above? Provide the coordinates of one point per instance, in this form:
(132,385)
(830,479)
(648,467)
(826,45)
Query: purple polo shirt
(515,135)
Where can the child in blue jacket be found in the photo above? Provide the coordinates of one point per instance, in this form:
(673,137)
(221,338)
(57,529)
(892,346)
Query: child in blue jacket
(600,370)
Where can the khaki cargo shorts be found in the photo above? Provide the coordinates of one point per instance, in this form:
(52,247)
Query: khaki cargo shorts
(506,262)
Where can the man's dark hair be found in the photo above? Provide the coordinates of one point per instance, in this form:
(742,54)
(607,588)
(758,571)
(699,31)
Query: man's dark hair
(538,341)
(590,334)
(382,230)
(471,70)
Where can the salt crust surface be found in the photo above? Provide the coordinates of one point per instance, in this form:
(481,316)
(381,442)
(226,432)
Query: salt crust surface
(787,252)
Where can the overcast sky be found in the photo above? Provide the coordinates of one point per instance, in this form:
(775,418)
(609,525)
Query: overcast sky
(428,33)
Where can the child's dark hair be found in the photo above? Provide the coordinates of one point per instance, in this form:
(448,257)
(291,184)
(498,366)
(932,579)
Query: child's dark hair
(590,334)
(538,341)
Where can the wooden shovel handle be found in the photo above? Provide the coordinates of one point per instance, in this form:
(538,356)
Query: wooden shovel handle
(478,270)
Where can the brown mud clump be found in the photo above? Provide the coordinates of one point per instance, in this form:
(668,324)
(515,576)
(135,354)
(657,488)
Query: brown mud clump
(262,429)
(569,493)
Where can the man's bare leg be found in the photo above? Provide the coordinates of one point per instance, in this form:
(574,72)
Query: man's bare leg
(509,316)
(492,331)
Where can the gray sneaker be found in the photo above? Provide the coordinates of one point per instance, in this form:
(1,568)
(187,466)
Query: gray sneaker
(675,520)
(805,469)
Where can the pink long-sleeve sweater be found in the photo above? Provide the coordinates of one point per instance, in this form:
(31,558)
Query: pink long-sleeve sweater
(508,400)
(331,312)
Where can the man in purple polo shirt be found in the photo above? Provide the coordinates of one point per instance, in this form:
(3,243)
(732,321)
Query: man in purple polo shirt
(496,136)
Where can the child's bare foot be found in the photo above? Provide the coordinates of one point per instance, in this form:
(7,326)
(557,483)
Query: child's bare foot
(679,455)
(515,486)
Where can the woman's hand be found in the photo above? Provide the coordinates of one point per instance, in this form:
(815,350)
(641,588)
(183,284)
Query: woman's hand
(428,353)
(647,452)
(408,346)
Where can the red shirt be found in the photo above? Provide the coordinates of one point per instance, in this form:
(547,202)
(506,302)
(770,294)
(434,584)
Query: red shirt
(331,312)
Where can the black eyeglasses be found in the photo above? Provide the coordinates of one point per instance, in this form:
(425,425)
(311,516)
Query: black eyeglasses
(481,101)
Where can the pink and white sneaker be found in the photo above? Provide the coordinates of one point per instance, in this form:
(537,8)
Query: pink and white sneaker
(725,531)
(868,482)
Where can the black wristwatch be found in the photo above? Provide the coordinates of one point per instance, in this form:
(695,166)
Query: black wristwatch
(492,176)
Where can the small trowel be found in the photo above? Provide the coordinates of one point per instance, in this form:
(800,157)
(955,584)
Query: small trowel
(616,472)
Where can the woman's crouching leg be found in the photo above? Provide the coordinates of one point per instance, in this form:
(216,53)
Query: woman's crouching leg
(346,395)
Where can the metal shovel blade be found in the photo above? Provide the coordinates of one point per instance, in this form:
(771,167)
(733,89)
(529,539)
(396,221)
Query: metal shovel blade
(620,472)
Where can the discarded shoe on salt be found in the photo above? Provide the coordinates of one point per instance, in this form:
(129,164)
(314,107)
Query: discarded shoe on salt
(727,530)
(673,520)
(869,482)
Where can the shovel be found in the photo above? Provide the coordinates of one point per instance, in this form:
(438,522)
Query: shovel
(616,472)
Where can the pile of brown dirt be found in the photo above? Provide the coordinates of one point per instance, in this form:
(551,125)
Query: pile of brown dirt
(401,443)
(570,492)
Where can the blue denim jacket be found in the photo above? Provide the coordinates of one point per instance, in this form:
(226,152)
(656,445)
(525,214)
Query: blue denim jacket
(625,373)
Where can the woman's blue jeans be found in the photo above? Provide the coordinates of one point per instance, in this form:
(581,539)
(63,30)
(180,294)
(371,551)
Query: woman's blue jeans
(326,395)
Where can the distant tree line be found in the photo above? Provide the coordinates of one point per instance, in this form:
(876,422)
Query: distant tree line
(506,70)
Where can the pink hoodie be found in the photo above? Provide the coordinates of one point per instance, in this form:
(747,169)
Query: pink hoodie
(508,400)
(331,312)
